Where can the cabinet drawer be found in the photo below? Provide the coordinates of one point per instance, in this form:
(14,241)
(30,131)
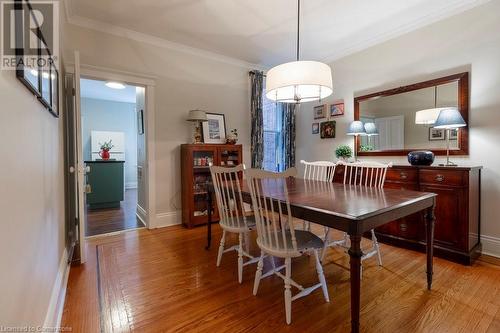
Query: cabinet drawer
(443,177)
(402,175)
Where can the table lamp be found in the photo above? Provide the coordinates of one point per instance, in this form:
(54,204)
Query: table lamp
(356,128)
(371,130)
(449,119)
(197,117)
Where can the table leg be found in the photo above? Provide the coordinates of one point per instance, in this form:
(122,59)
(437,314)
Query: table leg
(355,254)
(430,220)
(209,220)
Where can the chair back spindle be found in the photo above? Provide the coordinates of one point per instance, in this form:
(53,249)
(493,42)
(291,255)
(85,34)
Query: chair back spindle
(319,170)
(228,196)
(269,191)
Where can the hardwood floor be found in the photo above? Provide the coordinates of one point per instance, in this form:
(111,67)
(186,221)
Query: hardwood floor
(164,280)
(103,221)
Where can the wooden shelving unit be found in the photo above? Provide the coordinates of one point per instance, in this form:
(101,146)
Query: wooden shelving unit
(195,173)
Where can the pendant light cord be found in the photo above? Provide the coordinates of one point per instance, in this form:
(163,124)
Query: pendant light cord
(298,28)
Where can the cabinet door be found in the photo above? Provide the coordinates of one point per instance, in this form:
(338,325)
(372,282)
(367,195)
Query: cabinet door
(450,211)
(201,158)
(229,155)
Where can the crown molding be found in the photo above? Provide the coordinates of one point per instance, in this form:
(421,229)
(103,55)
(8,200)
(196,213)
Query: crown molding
(457,8)
(152,40)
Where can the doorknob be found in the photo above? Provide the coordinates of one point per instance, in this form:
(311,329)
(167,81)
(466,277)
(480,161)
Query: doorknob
(71,169)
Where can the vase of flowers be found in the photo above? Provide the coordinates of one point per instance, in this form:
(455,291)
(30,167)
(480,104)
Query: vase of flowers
(105,148)
(232,138)
(343,152)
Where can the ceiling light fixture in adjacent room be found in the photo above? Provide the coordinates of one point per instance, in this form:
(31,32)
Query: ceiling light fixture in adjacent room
(299,81)
(114,85)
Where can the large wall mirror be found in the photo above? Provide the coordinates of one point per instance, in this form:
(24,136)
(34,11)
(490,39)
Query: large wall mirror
(393,114)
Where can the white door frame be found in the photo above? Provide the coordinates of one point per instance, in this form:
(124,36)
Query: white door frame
(148,82)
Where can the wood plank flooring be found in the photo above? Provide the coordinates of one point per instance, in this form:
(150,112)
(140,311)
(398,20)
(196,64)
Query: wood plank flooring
(106,220)
(164,281)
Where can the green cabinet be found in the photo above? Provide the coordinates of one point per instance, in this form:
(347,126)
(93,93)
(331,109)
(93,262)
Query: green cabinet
(105,184)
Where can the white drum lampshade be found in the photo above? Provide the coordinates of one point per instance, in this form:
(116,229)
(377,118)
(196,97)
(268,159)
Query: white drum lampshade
(299,81)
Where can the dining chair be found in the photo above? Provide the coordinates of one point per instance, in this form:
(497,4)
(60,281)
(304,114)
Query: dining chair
(276,235)
(364,174)
(232,214)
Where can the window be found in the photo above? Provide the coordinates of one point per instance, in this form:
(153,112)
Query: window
(272,135)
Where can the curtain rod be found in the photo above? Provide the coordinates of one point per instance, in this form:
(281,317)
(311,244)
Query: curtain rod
(253,73)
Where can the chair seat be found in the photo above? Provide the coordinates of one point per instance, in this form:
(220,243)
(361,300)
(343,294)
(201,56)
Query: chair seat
(238,225)
(306,240)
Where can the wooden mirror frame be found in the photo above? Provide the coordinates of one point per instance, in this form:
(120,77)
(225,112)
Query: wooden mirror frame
(463,107)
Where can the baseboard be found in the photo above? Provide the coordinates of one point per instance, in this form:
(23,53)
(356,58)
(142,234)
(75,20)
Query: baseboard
(131,185)
(56,304)
(168,219)
(491,246)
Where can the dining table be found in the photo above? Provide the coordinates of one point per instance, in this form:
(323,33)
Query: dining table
(353,209)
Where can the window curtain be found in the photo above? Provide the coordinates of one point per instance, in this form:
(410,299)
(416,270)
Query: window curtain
(288,134)
(257,122)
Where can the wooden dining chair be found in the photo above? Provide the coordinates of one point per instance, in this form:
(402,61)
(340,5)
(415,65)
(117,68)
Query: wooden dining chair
(276,235)
(232,214)
(364,174)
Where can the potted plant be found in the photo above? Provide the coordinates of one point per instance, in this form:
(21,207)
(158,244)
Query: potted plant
(343,152)
(105,148)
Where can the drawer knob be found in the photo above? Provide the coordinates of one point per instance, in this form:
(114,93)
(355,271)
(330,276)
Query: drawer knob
(439,178)
(403,175)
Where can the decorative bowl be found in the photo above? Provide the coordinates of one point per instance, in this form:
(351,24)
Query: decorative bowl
(421,157)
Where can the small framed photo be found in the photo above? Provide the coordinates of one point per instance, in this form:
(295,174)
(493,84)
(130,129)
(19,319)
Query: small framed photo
(315,128)
(214,130)
(436,134)
(319,111)
(140,122)
(327,129)
(454,134)
(337,109)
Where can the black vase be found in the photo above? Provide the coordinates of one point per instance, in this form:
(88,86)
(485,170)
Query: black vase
(421,157)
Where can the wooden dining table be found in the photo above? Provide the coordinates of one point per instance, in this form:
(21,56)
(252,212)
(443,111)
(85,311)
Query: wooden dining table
(355,210)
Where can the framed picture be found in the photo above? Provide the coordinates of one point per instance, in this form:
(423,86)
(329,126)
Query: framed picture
(319,111)
(337,109)
(454,134)
(436,134)
(214,130)
(315,128)
(327,129)
(140,122)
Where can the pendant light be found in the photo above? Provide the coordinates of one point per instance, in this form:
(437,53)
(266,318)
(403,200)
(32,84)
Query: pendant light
(299,81)
(429,116)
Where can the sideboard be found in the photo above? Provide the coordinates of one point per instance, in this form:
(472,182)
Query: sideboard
(458,210)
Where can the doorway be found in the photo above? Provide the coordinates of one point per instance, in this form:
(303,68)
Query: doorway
(111,130)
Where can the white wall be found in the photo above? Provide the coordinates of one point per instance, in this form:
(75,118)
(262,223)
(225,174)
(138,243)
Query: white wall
(183,82)
(104,115)
(467,42)
(32,230)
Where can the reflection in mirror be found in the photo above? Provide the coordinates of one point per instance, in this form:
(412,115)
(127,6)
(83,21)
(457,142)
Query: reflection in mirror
(394,119)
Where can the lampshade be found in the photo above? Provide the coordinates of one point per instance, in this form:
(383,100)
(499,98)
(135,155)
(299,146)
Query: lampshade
(356,128)
(299,81)
(371,129)
(197,115)
(427,117)
(450,118)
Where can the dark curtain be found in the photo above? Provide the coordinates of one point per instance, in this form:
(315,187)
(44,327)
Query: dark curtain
(288,134)
(257,122)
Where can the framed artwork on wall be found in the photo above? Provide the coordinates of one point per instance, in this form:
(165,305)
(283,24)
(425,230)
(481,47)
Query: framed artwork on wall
(337,109)
(327,129)
(315,128)
(436,134)
(214,130)
(319,111)
(454,134)
(54,90)
(140,122)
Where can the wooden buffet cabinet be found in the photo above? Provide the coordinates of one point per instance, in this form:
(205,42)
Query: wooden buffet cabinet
(195,173)
(458,211)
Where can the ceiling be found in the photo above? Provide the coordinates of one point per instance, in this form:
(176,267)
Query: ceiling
(264,31)
(98,90)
